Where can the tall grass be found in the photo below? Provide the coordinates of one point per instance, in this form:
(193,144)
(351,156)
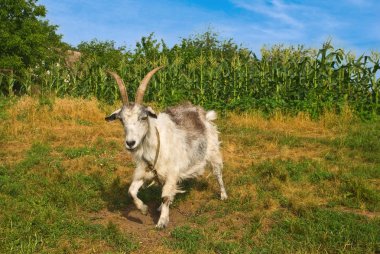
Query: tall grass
(218,74)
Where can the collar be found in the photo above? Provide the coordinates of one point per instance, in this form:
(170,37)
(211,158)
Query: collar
(150,165)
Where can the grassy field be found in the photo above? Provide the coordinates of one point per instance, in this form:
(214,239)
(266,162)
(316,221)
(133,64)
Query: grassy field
(294,185)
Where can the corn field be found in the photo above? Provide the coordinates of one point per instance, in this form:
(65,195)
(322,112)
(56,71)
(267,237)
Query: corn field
(215,74)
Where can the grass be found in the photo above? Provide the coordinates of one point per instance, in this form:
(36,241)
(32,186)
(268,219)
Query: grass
(320,231)
(295,186)
(43,207)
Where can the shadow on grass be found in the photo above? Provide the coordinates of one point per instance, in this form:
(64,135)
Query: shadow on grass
(117,198)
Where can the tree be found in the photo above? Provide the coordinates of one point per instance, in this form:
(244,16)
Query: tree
(26,39)
(104,53)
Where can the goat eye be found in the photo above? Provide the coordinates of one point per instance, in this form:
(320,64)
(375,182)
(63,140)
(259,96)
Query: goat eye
(143,118)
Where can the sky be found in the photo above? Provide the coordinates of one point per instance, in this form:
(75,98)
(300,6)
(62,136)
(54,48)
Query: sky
(353,25)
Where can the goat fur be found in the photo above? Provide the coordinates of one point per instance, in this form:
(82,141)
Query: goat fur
(188,141)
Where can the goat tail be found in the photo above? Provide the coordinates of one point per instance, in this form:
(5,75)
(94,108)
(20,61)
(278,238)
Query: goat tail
(211,115)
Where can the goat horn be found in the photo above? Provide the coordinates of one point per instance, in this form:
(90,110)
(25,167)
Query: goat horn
(120,83)
(141,90)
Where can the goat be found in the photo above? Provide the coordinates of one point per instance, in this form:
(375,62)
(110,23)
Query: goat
(167,147)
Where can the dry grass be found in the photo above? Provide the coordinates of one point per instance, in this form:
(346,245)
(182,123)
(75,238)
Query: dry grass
(329,125)
(73,122)
(63,123)
(248,142)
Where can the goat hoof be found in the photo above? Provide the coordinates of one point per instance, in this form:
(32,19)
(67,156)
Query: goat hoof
(159,227)
(162,223)
(223,196)
(144,210)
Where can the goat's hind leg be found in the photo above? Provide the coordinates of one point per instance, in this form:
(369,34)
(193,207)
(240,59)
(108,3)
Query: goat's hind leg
(217,166)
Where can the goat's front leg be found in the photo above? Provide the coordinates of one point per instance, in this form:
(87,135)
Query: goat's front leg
(133,190)
(168,192)
(139,177)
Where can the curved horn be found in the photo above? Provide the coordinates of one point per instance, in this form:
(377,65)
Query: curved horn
(120,83)
(141,90)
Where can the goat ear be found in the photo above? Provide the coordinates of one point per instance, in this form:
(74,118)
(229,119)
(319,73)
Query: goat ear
(150,112)
(115,115)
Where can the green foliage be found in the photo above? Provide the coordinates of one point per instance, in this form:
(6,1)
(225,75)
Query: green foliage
(104,54)
(26,40)
(218,74)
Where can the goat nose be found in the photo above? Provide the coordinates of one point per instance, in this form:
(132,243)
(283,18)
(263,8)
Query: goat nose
(131,143)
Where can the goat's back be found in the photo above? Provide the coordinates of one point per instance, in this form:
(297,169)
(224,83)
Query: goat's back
(188,117)
(198,132)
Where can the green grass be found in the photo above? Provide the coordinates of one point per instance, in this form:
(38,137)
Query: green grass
(320,175)
(43,206)
(283,198)
(192,240)
(283,170)
(321,231)
(186,238)
(357,193)
(77,152)
(299,223)
(365,142)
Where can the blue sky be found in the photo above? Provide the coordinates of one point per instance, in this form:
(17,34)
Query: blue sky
(351,24)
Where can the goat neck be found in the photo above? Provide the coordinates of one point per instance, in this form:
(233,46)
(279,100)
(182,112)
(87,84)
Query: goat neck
(149,147)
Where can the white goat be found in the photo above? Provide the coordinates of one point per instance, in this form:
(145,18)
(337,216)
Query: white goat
(168,147)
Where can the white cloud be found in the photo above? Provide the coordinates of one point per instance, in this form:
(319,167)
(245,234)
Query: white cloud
(274,9)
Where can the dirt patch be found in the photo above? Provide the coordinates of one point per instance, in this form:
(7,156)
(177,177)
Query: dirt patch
(142,227)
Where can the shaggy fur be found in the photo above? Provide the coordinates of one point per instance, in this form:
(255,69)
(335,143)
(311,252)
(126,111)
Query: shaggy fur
(188,141)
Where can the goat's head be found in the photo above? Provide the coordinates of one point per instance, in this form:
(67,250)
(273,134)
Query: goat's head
(134,116)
